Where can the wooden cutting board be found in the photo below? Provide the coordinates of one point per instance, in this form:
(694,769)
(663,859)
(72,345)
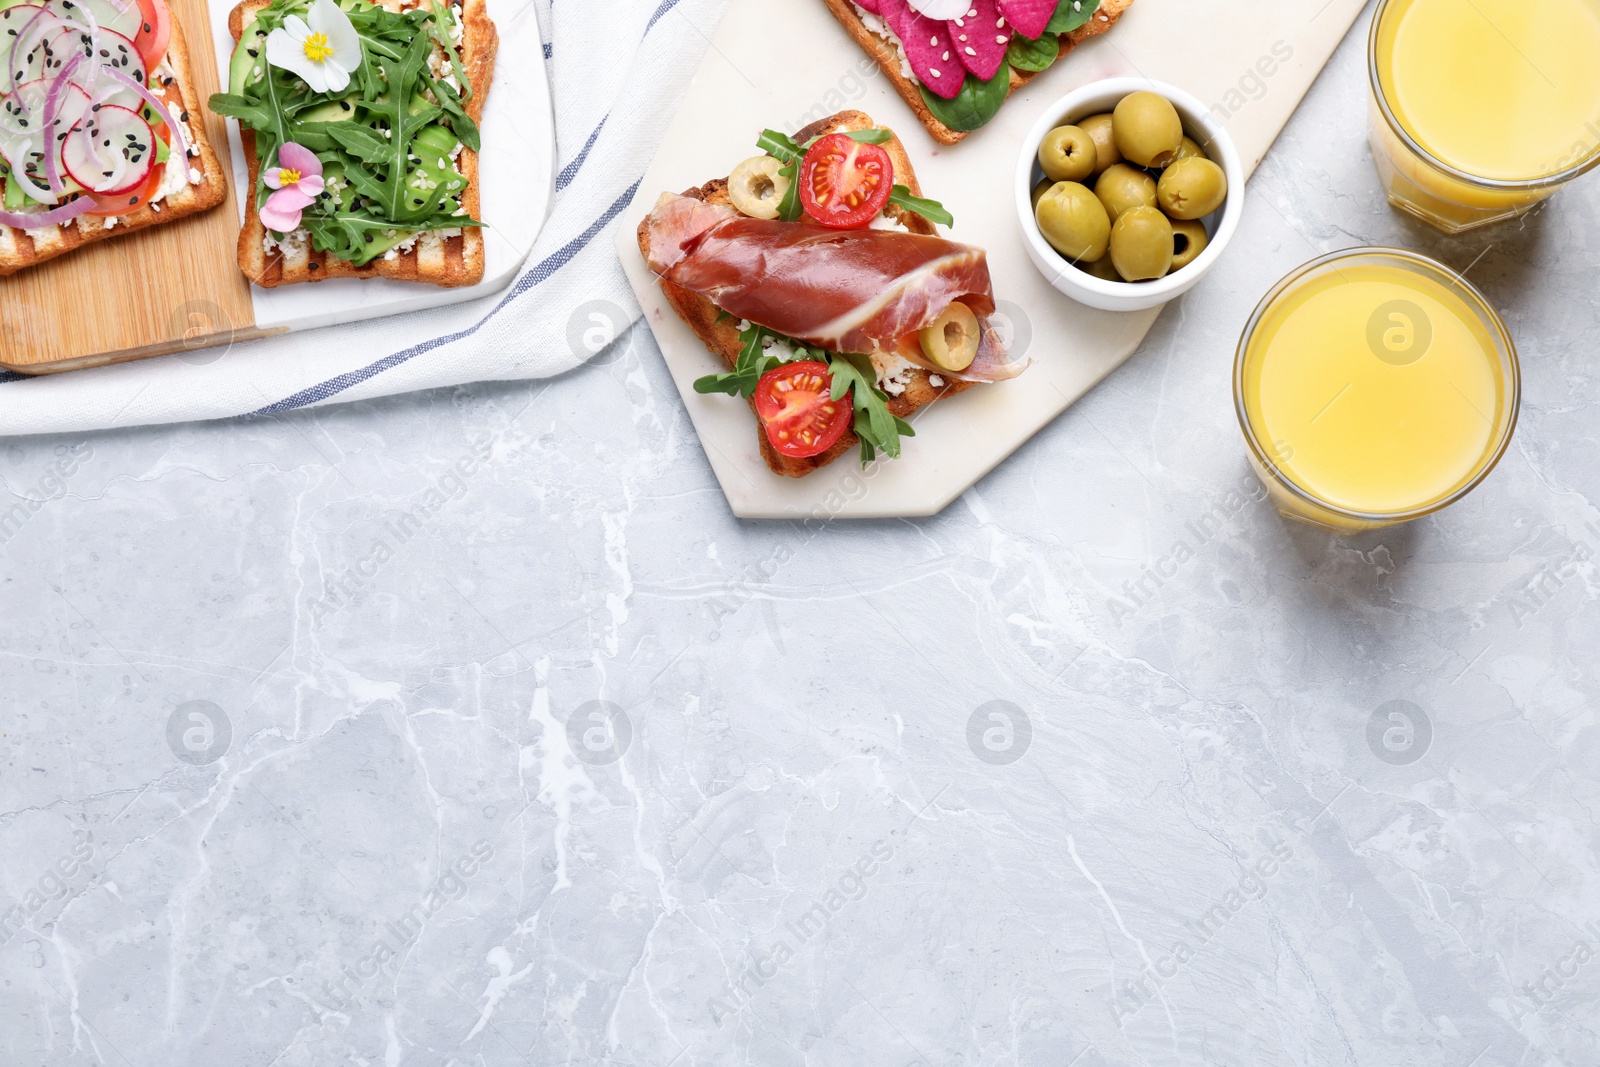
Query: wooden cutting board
(166,289)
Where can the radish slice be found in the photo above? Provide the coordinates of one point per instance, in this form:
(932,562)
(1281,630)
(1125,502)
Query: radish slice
(119,16)
(155,30)
(174,132)
(54,217)
(26,152)
(943,10)
(112,151)
(33,26)
(981,42)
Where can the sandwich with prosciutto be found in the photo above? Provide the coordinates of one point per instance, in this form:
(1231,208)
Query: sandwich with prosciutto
(817,273)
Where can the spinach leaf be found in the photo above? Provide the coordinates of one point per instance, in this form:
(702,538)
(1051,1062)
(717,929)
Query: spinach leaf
(931,210)
(975,105)
(1071,14)
(1025,54)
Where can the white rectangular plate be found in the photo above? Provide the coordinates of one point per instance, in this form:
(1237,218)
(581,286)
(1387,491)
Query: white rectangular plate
(1219,50)
(516,176)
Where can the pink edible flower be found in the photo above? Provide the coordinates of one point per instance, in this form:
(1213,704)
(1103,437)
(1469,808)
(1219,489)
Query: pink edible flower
(297,180)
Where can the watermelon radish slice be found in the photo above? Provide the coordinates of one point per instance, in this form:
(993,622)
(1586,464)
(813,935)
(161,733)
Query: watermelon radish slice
(112,151)
(118,16)
(981,37)
(869,6)
(1028,17)
(928,48)
(155,30)
(941,10)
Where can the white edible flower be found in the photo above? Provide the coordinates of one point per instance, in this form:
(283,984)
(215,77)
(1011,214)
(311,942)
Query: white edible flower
(323,52)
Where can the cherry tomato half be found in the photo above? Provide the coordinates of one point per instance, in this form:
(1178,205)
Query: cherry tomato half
(843,183)
(131,200)
(799,415)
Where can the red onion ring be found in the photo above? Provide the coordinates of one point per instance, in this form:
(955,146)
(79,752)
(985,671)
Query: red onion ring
(19,173)
(52,106)
(54,217)
(155,105)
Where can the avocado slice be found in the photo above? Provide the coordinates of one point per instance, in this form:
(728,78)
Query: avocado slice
(244,64)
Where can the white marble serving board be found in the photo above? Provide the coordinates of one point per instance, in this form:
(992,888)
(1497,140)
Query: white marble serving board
(1253,62)
(516,176)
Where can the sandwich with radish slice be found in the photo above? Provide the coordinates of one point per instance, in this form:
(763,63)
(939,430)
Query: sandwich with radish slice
(100,127)
(956,61)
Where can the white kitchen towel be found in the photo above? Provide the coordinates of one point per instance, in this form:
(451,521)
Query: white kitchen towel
(617,69)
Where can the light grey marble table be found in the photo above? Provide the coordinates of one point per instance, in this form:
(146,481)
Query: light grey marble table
(570,767)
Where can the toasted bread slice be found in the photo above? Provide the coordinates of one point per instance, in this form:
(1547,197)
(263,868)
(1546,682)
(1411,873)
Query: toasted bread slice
(888,56)
(438,260)
(21,249)
(722,337)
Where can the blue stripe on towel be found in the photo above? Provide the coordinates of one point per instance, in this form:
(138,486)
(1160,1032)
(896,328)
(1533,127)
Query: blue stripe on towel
(666,5)
(570,171)
(541,273)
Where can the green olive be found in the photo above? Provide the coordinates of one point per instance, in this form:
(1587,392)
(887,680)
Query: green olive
(1039,191)
(1122,187)
(1141,244)
(756,188)
(1098,127)
(951,340)
(1189,239)
(1068,154)
(1190,150)
(1147,129)
(1101,268)
(1192,188)
(1073,221)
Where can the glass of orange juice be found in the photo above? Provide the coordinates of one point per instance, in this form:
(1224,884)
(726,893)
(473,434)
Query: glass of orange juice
(1482,108)
(1374,386)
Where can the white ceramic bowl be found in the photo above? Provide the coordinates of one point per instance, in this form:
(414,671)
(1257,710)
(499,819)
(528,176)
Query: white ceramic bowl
(1094,99)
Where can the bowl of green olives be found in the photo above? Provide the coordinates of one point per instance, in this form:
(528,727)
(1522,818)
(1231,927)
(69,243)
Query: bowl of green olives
(1128,191)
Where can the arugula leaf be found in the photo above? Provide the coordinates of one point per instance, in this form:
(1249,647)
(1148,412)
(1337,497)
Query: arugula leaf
(780,146)
(931,210)
(753,362)
(858,136)
(878,427)
(395,124)
(1071,14)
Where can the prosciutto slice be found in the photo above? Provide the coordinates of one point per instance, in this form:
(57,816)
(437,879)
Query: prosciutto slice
(844,290)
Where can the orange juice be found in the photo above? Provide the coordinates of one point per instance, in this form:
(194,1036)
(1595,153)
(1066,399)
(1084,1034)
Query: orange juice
(1482,108)
(1374,386)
